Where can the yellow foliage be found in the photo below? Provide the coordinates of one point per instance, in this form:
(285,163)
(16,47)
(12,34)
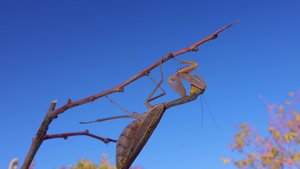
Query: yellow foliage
(292,135)
(268,161)
(274,152)
(87,164)
(286,137)
(276,135)
(249,161)
(287,102)
(271,129)
(239,134)
(240,163)
(280,109)
(296,158)
(248,133)
(281,150)
(253,155)
(240,142)
(278,162)
(226,160)
(297,117)
(244,127)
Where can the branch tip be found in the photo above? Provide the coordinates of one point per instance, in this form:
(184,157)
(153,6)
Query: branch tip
(232,23)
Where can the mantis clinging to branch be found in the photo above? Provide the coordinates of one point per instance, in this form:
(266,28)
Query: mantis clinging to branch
(136,134)
(53,112)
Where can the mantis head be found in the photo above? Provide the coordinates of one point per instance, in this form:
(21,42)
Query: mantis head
(194,89)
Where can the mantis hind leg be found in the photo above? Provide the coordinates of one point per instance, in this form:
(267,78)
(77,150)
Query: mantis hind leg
(131,115)
(109,118)
(149,98)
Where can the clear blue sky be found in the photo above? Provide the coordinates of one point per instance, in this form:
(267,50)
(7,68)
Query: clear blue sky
(74,49)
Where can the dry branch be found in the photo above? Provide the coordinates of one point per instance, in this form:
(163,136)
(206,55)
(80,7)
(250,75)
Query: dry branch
(86,133)
(51,114)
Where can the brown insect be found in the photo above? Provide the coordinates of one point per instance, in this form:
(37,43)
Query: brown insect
(136,134)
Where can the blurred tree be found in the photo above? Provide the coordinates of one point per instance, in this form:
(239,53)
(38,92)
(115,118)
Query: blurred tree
(87,164)
(281,149)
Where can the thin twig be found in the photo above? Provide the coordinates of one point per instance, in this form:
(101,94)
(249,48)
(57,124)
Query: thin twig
(86,132)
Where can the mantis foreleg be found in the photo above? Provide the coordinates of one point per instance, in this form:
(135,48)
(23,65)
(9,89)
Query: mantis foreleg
(184,74)
(134,114)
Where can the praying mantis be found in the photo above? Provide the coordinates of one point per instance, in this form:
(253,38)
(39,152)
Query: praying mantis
(136,134)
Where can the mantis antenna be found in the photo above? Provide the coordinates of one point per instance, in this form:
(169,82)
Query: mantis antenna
(208,111)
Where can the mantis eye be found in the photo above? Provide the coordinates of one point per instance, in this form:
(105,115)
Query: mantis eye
(194,89)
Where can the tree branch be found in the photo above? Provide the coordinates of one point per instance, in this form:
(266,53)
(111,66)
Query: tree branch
(86,132)
(39,137)
(51,114)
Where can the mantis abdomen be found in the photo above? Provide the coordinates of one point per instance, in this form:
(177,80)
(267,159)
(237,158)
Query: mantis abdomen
(135,136)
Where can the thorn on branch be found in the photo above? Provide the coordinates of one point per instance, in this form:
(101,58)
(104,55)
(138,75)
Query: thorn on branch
(195,49)
(106,141)
(169,56)
(92,99)
(215,36)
